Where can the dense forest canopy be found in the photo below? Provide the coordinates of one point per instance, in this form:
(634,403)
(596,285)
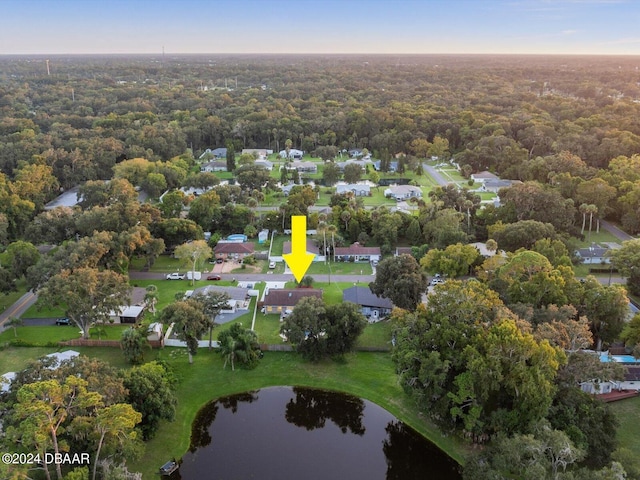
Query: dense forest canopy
(91,112)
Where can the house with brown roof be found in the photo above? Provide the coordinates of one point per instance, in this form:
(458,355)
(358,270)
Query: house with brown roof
(233,249)
(357,253)
(284,300)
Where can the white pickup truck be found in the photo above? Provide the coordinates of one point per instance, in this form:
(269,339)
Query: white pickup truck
(175,276)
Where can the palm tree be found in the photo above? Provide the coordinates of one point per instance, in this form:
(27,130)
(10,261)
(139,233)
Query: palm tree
(591,210)
(228,347)
(151,298)
(583,210)
(15,322)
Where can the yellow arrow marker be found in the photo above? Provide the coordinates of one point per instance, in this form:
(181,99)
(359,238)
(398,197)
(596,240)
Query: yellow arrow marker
(299,260)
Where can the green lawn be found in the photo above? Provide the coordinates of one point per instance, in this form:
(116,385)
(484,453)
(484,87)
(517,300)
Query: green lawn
(8,299)
(42,335)
(268,328)
(278,242)
(340,268)
(367,375)
(376,335)
(167,289)
(164,263)
(596,237)
(628,413)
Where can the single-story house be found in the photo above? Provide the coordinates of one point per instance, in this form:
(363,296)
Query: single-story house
(403,192)
(392,167)
(371,306)
(127,314)
(484,176)
(214,166)
(597,387)
(355,152)
(307,167)
(631,378)
(225,249)
(293,153)
(357,253)
(495,185)
(286,189)
(357,189)
(133,312)
(362,163)
(284,300)
(257,152)
(403,251)
(266,164)
(215,153)
(239,298)
(60,357)
(594,255)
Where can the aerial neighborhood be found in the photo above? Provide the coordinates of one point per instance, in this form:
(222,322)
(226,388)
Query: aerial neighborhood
(474,266)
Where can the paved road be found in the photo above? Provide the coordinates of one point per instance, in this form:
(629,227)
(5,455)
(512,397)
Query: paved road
(440,180)
(19,307)
(254,277)
(615,231)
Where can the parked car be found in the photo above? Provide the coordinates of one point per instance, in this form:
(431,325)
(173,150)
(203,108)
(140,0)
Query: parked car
(214,277)
(436,281)
(272,265)
(63,321)
(219,260)
(175,276)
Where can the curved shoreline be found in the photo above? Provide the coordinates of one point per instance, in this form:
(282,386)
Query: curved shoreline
(366,375)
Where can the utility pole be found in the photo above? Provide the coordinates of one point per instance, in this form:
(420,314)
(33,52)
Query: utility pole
(48,71)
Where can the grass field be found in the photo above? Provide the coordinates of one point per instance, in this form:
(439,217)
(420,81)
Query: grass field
(340,268)
(367,375)
(8,299)
(42,335)
(596,237)
(628,413)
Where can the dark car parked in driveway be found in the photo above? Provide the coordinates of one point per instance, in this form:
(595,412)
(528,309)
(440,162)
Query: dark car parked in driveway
(63,321)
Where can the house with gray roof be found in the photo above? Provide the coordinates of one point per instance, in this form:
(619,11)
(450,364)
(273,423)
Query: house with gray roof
(307,167)
(403,192)
(594,255)
(293,154)
(371,306)
(357,189)
(496,184)
(215,153)
(239,298)
(214,166)
(266,164)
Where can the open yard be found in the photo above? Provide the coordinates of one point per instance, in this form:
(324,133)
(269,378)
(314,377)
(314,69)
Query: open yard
(43,335)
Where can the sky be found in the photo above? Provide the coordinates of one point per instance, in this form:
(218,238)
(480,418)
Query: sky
(609,27)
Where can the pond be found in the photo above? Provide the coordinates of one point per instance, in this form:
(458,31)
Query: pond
(285,433)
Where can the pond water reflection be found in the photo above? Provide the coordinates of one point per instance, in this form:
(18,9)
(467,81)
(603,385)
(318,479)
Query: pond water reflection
(285,433)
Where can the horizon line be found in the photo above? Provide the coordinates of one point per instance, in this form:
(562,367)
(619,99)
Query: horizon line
(160,53)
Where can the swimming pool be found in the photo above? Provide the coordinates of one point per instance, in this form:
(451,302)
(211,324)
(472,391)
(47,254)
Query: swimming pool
(605,357)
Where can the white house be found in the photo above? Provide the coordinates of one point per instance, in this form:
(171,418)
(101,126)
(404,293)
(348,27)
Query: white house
(403,192)
(214,166)
(266,164)
(293,153)
(484,176)
(357,189)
